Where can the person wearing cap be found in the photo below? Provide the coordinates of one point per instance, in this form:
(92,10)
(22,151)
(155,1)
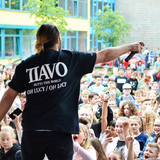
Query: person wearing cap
(127,93)
(121,79)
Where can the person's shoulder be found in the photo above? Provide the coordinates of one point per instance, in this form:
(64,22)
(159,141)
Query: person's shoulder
(144,135)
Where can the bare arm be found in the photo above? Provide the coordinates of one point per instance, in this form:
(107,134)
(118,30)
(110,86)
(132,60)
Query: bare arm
(112,53)
(7,101)
(104,111)
(130,155)
(126,134)
(104,116)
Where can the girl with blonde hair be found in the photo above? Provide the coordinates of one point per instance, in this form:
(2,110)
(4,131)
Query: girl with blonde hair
(148,117)
(82,145)
(10,149)
(120,143)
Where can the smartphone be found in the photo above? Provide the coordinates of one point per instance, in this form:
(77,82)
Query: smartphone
(158,99)
(17,112)
(109,93)
(108,131)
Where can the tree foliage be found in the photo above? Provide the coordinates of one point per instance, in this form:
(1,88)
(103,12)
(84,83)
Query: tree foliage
(48,11)
(111,27)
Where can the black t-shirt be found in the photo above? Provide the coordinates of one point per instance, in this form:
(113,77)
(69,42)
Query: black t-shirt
(51,80)
(120,146)
(120,81)
(133,83)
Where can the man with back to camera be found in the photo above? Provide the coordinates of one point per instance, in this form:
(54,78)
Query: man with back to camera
(51,79)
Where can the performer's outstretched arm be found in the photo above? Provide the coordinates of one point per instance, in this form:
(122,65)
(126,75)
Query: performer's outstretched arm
(112,53)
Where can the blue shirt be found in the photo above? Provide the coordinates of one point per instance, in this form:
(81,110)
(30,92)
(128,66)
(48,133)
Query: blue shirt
(142,138)
(149,140)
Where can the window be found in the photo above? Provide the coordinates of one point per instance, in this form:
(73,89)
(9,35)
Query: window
(24,2)
(12,4)
(0,3)
(0,44)
(83,8)
(12,31)
(62,4)
(12,42)
(99,6)
(28,42)
(11,46)
(72,7)
(113,7)
(82,41)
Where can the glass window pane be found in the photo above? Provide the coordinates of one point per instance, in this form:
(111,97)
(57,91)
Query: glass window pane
(99,6)
(16,45)
(71,33)
(28,32)
(24,3)
(15,4)
(0,47)
(11,31)
(73,44)
(99,46)
(0,3)
(70,7)
(26,46)
(91,8)
(9,46)
(68,44)
(6,3)
(62,4)
(80,44)
(83,9)
(62,43)
(82,34)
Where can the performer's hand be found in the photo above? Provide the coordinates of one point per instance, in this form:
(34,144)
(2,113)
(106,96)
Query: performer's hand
(137,47)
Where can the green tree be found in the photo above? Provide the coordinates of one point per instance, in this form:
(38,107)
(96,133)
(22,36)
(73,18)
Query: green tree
(111,27)
(48,11)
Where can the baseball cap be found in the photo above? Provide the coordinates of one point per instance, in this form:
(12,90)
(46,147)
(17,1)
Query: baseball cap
(127,86)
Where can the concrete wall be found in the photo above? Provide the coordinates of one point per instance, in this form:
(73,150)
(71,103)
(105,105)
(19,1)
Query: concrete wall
(144,16)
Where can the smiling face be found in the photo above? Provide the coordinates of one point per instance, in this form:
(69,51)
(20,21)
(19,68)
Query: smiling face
(113,131)
(6,141)
(152,97)
(119,129)
(157,126)
(150,152)
(126,110)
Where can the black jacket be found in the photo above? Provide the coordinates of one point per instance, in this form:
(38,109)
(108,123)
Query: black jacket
(13,154)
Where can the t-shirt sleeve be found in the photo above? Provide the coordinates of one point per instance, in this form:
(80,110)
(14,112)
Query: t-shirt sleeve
(86,61)
(17,82)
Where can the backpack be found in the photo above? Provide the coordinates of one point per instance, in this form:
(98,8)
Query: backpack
(158,76)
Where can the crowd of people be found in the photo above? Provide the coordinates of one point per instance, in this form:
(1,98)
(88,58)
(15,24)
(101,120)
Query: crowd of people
(118,117)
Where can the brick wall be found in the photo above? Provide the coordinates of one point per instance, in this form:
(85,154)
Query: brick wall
(144,16)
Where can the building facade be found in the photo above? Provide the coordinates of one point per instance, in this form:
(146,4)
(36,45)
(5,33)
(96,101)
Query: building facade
(145,20)
(16,27)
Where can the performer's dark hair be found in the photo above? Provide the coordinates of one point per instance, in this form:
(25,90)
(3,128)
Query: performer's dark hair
(46,37)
